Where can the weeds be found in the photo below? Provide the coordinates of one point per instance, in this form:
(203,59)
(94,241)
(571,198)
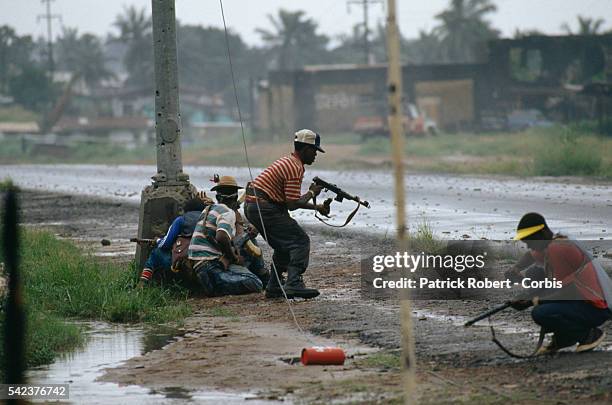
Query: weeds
(60,279)
(570,155)
(61,282)
(7,184)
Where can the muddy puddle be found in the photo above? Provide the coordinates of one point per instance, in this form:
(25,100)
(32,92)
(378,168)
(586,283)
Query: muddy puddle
(108,346)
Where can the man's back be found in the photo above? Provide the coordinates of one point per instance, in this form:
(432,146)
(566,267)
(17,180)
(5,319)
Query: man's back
(219,217)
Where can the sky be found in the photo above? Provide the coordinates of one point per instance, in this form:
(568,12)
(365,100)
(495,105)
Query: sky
(333,16)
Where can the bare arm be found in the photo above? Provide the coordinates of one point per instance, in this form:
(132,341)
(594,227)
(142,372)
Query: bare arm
(225,244)
(303,203)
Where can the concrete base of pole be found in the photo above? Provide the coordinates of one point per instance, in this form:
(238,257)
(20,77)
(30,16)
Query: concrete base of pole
(159,205)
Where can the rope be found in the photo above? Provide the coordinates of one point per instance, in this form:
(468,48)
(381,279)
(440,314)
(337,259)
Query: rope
(246,154)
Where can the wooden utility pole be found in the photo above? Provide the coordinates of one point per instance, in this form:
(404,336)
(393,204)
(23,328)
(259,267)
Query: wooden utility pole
(397,146)
(366,26)
(162,201)
(49,17)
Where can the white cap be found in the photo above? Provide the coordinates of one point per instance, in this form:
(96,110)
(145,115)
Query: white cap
(309,137)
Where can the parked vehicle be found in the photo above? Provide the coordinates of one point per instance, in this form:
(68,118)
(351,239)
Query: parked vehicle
(415,122)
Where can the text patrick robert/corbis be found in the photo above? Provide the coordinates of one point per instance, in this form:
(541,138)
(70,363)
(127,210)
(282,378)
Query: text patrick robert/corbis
(458,263)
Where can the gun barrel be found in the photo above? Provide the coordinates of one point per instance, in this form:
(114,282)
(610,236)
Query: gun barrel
(487,314)
(142,241)
(341,194)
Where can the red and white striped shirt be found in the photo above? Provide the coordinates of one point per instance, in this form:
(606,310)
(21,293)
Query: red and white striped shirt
(282,180)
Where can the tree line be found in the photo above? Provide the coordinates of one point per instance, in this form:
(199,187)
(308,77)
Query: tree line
(290,39)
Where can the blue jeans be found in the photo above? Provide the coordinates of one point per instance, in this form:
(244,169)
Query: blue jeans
(236,280)
(255,265)
(159,259)
(570,321)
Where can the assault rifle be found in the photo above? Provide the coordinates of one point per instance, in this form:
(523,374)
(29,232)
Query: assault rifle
(340,194)
(488,313)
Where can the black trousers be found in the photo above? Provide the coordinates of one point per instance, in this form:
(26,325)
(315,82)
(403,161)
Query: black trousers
(290,243)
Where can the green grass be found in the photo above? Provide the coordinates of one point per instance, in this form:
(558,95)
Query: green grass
(17,114)
(7,184)
(60,279)
(46,337)
(61,282)
(570,155)
(384,360)
(574,150)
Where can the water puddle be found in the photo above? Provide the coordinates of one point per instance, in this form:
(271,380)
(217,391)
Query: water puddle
(108,346)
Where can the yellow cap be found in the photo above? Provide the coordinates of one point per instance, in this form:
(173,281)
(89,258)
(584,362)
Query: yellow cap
(525,232)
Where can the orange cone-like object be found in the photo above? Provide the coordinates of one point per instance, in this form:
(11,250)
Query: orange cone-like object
(319,355)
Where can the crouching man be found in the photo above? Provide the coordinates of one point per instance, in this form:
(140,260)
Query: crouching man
(217,266)
(574,312)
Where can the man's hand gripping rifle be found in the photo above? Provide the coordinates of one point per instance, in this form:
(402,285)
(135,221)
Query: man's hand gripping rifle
(341,195)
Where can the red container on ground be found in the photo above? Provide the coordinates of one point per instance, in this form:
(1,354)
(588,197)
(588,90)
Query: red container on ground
(319,355)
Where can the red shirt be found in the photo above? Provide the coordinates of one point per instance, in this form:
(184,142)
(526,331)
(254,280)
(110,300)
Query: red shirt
(282,181)
(564,261)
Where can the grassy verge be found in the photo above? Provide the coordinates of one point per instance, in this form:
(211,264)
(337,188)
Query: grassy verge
(61,282)
(558,151)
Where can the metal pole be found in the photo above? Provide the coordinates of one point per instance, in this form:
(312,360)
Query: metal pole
(167,116)
(366,29)
(162,201)
(397,146)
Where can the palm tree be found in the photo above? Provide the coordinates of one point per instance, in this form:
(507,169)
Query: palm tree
(83,55)
(586,26)
(463,30)
(294,41)
(135,29)
(424,50)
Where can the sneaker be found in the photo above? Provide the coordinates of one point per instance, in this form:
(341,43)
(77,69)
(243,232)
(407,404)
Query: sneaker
(552,348)
(593,339)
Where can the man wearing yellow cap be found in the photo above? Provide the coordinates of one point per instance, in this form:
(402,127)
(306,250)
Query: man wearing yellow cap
(574,312)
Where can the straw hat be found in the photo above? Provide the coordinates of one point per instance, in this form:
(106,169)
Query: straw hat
(226,182)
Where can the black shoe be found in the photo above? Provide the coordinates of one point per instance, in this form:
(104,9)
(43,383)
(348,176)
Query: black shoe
(593,339)
(273,289)
(298,289)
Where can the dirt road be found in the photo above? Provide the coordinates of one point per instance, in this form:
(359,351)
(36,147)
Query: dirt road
(246,343)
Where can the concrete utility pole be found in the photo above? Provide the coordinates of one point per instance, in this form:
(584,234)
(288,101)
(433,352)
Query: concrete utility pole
(366,27)
(397,146)
(49,17)
(161,202)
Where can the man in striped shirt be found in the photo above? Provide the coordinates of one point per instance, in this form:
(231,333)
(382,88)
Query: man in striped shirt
(216,264)
(269,199)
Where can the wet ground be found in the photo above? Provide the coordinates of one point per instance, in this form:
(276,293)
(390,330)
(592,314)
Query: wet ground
(454,206)
(454,364)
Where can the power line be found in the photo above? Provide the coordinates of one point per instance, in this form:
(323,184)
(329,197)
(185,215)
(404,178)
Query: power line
(366,28)
(49,17)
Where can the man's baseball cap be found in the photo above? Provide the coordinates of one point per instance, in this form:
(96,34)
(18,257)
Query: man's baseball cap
(530,224)
(309,137)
